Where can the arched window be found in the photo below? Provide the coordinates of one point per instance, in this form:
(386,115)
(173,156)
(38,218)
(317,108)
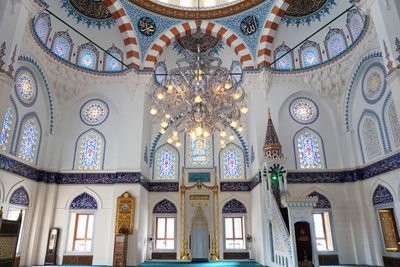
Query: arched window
(91,151)
(167,163)
(87,56)
(285,62)
(371,140)
(322,223)
(164,214)
(335,42)
(383,203)
(234,216)
(62,45)
(110,62)
(232,163)
(199,152)
(30,136)
(308,149)
(394,123)
(19,202)
(5,131)
(43,27)
(354,23)
(309,54)
(81,230)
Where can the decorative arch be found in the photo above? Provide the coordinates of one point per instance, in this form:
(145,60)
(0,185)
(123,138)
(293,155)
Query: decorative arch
(286,62)
(335,42)
(309,54)
(207,27)
(391,123)
(9,127)
(83,202)
(167,163)
(323,202)
(126,29)
(315,158)
(350,92)
(19,197)
(90,149)
(234,206)
(270,28)
(382,195)
(29,138)
(83,190)
(62,45)
(109,62)
(369,134)
(87,56)
(231,162)
(164,206)
(43,26)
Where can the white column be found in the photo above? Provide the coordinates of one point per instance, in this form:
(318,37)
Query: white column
(386,17)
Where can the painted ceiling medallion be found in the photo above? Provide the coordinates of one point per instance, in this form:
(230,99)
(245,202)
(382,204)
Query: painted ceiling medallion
(303,8)
(190,42)
(210,13)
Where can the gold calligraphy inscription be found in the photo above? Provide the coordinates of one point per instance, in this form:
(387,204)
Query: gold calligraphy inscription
(389,229)
(147,26)
(125,212)
(249,25)
(199,197)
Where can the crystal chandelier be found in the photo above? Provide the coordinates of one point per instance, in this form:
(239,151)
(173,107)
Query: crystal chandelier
(199,97)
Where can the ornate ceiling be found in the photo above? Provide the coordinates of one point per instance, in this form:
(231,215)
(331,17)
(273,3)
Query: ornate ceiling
(304,8)
(91,8)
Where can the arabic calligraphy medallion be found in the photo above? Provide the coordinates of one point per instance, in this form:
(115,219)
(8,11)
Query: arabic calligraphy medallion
(249,25)
(147,26)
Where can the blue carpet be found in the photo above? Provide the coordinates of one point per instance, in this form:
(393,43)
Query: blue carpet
(245,263)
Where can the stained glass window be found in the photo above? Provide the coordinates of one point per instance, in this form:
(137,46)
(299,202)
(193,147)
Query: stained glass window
(284,62)
(356,26)
(371,138)
(87,59)
(61,48)
(199,152)
(94,113)
(166,166)
(232,163)
(336,45)
(5,131)
(303,111)
(90,152)
(394,124)
(29,141)
(25,86)
(310,57)
(112,63)
(309,153)
(41,29)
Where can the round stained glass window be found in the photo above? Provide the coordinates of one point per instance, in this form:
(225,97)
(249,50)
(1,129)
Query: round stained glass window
(94,112)
(25,86)
(374,82)
(303,110)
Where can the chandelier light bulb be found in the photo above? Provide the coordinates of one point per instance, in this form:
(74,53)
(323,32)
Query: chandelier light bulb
(164,124)
(167,116)
(222,143)
(199,131)
(233,123)
(153,111)
(169,87)
(244,109)
(222,133)
(175,133)
(231,137)
(170,140)
(162,131)
(228,85)
(240,128)
(198,99)
(160,96)
(192,135)
(206,134)
(178,143)
(236,96)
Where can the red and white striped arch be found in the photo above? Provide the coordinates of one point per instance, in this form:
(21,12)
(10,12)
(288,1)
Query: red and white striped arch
(207,27)
(264,55)
(125,27)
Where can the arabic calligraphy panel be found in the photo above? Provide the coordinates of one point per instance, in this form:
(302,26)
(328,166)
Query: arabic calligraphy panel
(249,25)
(147,26)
